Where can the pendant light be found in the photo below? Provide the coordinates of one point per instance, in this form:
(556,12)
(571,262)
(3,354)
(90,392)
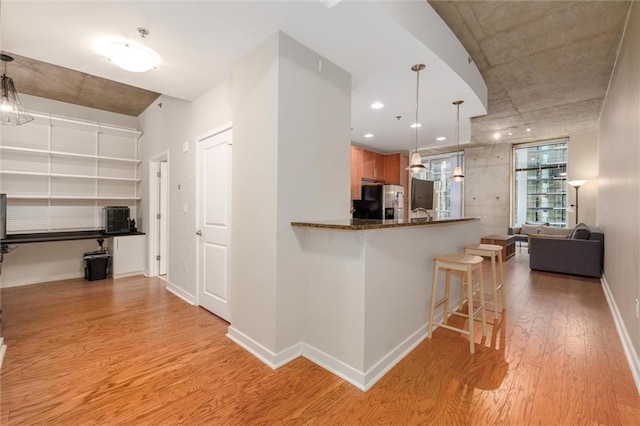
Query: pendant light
(11,111)
(416,166)
(457,175)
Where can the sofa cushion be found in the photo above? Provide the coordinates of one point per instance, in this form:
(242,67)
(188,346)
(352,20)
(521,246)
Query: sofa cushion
(530,229)
(580,232)
(552,231)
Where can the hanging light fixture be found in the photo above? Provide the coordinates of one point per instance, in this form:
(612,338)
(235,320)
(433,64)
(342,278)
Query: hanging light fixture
(416,166)
(11,111)
(457,175)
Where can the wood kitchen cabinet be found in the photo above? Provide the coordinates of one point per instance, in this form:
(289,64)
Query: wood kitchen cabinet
(356,172)
(372,165)
(394,169)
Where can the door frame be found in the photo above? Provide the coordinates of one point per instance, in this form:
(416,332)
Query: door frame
(154,209)
(198,246)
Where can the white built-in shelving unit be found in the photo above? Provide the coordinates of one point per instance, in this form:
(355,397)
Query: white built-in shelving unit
(59,173)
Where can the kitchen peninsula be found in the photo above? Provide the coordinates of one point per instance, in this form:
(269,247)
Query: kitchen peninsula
(368,289)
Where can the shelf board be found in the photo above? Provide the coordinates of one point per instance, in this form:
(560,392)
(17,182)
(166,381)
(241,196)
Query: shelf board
(67,154)
(66,197)
(70,176)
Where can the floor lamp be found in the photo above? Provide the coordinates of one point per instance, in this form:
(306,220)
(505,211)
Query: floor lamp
(576,184)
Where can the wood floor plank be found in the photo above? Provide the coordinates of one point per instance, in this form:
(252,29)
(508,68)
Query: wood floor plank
(130,352)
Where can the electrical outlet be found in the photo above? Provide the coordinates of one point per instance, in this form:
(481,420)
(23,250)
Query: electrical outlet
(637,309)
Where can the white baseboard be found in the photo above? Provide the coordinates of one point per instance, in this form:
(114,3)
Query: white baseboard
(335,366)
(272,359)
(361,380)
(187,297)
(627,344)
(3,350)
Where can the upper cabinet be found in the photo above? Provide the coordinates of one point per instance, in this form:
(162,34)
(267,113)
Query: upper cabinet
(372,165)
(376,167)
(394,169)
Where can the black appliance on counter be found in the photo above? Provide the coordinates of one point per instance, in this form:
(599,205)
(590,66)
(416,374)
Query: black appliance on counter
(116,219)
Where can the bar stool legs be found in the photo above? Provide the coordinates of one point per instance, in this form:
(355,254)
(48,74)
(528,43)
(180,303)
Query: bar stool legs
(468,265)
(494,252)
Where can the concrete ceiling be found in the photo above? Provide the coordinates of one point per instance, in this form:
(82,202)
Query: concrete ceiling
(547,64)
(37,78)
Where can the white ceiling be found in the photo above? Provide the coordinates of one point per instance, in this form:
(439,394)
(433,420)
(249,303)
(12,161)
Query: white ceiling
(377,42)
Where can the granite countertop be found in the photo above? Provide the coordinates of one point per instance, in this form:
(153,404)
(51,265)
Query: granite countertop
(365,224)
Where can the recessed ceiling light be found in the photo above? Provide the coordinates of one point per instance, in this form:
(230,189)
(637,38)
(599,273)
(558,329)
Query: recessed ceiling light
(496,135)
(414,125)
(377,105)
(528,129)
(368,135)
(441,138)
(510,133)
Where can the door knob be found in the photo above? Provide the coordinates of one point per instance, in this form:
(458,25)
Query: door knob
(199,233)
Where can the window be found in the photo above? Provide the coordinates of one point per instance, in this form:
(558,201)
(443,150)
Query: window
(540,192)
(447,195)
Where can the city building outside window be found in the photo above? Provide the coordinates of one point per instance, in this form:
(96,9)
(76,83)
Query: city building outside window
(539,185)
(448,199)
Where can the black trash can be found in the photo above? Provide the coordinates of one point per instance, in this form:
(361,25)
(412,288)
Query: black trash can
(96,265)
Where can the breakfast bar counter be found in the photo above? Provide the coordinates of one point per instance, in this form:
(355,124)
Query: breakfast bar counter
(368,288)
(365,224)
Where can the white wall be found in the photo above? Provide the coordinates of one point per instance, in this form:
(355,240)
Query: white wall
(314,160)
(291,162)
(166,128)
(583,164)
(619,178)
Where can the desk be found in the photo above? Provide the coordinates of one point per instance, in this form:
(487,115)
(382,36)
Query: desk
(52,256)
(507,242)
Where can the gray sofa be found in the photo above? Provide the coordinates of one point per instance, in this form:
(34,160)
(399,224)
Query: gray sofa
(580,254)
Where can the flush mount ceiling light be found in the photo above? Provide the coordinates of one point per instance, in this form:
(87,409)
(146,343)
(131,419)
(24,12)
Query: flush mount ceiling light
(11,111)
(132,56)
(377,105)
(416,166)
(414,125)
(368,135)
(457,175)
(441,138)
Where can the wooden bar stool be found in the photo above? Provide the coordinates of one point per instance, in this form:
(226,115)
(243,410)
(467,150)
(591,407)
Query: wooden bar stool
(494,252)
(467,264)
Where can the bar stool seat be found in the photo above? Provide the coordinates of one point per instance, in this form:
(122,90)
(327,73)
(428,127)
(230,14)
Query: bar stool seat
(494,252)
(468,265)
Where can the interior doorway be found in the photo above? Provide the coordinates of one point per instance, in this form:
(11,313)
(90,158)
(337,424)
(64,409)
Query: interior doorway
(158,215)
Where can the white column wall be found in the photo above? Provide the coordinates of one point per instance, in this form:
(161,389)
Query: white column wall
(291,161)
(254,194)
(314,160)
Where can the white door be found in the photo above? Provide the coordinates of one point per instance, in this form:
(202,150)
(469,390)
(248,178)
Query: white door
(164,212)
(214,227)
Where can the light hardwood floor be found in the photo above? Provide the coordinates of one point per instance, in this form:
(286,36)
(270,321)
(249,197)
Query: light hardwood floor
(129,352)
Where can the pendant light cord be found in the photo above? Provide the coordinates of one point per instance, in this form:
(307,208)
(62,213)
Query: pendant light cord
(417,105)
(458,134)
